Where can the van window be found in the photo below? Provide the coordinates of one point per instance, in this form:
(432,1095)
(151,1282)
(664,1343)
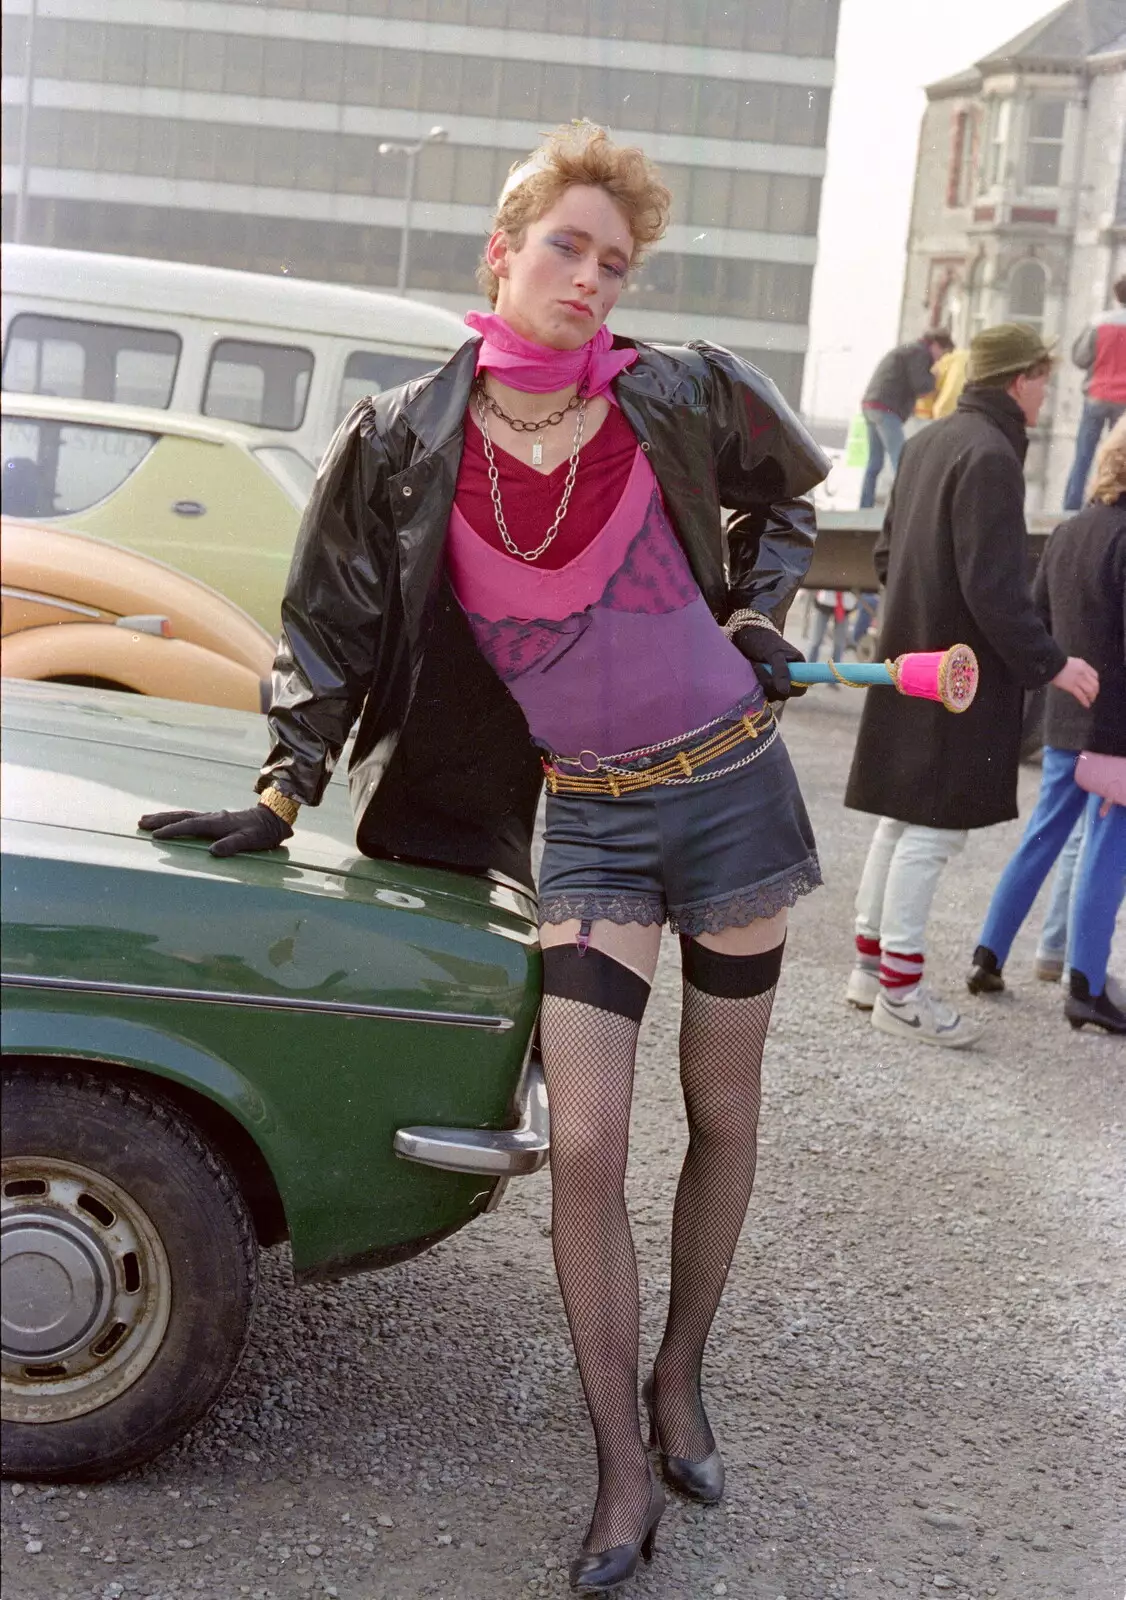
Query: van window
(263,384)
(290,469)
(52,468)
(90,360)
(370,371)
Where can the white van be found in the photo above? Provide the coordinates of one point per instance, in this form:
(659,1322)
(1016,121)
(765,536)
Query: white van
(282,354)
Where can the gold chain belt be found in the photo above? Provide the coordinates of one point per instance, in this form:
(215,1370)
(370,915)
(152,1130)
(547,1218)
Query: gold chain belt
(679,768)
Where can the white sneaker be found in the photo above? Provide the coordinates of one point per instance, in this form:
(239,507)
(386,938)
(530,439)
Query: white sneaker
(863,988)
(925,1017)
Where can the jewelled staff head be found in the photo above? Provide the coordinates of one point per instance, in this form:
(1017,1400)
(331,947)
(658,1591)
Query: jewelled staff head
(949,676)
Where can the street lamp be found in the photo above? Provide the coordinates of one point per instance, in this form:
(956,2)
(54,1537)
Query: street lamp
(23,196)
(392,147)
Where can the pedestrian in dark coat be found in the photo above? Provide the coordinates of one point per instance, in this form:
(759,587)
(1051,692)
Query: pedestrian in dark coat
(953,554)
(1081,594)
(902,377)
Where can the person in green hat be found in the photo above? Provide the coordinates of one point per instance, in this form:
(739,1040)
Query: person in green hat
(953,554)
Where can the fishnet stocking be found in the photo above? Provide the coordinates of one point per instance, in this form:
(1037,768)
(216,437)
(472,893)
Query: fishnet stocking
(588,1064)
(721,1044)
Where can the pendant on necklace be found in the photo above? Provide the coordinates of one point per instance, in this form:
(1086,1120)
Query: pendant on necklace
(537,451)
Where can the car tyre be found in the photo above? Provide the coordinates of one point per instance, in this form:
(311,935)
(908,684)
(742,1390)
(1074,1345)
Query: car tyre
(132,1267)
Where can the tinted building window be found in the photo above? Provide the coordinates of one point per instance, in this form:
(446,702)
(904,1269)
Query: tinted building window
(668,281)
(435,82)
(13,47)
(351,164)
(164,58)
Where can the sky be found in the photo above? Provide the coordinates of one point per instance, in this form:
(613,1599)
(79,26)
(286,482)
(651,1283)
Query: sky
(886,51)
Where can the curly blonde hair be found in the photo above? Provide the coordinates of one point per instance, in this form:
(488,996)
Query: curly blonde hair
(1110,468)
(582,153)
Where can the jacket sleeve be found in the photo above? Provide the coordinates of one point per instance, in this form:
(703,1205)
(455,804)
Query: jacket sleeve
(920,372)
(1083,350)
(990,555)
(881,550)
(332,612)
(766,463)
(1041,589)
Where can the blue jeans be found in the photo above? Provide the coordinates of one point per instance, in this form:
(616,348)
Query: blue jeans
(885,437)
(866,609)
(1054,940)
(1097,415)
(1100,880)
(822,621)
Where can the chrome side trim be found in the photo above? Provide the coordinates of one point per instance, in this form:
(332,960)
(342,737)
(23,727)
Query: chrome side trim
(260,1002)
(10,593)
(499,1153)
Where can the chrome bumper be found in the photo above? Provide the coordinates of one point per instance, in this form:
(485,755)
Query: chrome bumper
(503,1153)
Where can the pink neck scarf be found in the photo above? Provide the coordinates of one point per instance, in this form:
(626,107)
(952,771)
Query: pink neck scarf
(537,369)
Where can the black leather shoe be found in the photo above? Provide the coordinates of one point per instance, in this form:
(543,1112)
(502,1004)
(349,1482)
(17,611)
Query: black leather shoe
(604,1570)
(697,1480)
(1099,1010)
(984,976)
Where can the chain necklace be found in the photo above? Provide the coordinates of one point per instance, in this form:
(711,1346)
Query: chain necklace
(519,426)
(494,483)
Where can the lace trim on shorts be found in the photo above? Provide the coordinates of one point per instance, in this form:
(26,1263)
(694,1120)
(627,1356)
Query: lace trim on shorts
(607,905)
(759,901)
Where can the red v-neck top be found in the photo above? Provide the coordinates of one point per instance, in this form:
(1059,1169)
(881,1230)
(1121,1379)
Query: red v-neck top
(531,499)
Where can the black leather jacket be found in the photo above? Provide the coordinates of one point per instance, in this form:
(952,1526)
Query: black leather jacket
(443,768)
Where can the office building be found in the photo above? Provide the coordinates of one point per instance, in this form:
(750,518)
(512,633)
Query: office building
(249,135)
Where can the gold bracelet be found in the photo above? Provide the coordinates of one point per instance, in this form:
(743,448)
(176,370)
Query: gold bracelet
(748,619)
(280,804)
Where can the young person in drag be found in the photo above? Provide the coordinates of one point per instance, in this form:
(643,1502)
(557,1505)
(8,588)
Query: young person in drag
(513,570)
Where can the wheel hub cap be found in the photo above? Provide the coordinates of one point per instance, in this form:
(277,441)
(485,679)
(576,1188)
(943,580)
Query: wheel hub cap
(57,1285)
(87,1289)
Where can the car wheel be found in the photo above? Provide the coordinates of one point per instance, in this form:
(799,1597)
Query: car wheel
(129,1274)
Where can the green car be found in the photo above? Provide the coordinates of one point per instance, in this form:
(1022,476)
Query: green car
(202,1058)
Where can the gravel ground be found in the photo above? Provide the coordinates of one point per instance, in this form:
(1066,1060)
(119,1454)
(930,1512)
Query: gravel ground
(916,1375)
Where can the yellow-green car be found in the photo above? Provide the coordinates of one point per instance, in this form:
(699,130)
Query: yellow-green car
(210,497)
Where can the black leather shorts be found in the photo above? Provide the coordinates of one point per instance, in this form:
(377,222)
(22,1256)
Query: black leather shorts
(702,856)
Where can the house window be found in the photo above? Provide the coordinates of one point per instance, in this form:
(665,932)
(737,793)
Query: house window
(1028,286)
(1045,143)
(959,181)
(993,167)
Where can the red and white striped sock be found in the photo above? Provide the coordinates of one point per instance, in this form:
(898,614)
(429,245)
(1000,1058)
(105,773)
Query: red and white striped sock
(867,953)
(900,974)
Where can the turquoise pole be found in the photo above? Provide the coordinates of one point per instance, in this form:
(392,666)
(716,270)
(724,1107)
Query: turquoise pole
(860,673)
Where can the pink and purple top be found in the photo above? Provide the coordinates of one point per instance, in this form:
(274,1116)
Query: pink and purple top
(606,642)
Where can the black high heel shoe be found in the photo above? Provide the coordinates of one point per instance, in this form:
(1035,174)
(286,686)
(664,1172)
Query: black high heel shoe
(696,1480)
(1081,1007)
(606,1569)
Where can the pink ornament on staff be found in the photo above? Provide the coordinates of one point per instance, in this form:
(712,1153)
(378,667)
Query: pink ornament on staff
(948,676)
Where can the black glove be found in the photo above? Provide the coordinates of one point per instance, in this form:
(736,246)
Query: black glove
(770,654)
(258,828)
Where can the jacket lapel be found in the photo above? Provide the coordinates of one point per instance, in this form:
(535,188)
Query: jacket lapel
(423,492)
(672,433)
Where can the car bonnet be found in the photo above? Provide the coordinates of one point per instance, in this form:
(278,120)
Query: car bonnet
(93,761)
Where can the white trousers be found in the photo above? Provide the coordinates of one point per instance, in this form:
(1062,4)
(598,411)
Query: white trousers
(900,876)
